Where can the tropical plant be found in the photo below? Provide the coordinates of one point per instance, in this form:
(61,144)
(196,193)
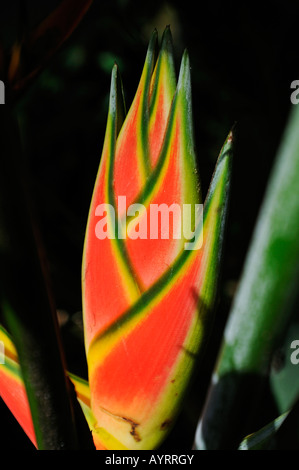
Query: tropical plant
(148,302)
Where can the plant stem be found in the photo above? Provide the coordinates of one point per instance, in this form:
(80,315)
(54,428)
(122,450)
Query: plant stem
(27,307)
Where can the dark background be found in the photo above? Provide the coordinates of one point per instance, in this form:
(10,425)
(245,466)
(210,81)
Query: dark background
(243,60)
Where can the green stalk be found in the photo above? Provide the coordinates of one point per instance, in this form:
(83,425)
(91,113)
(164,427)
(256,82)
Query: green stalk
(262,306)
(26,305)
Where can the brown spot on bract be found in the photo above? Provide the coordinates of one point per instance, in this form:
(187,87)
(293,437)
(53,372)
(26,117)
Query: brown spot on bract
(135,434)
(166,424)
(133,431)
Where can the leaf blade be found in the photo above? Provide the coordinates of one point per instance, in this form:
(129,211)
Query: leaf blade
(262,306)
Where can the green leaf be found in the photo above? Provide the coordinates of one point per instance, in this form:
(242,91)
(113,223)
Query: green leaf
(262,306)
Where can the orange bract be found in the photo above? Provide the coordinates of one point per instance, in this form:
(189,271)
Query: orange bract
(144,315)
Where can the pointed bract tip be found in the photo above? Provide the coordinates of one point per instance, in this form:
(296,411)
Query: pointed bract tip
(167,36)
(152,49)
(167,43)
(226,151)
(154,37)
(233,128)
(231,135)
(114,74)
(185,63)
(185,56)
(115,68)
(184,74)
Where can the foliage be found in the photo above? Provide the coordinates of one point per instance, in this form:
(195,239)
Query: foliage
(60,183)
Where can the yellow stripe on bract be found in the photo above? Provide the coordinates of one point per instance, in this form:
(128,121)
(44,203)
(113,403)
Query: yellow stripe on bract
(213,231)
(91,421)
(108,441)
(11,368)
(159,181)
(170,399)
(168,86)
(154,107)
(172,394)
(102,345)
(143,114)
(81,387)
(131,288)
(191,181)
(177,120)
(9,347)
(168,403)
(142,117)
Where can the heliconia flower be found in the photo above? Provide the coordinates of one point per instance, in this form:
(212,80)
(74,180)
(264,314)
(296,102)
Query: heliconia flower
(12,388)
(148,292)
(13,392)
(149,288)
